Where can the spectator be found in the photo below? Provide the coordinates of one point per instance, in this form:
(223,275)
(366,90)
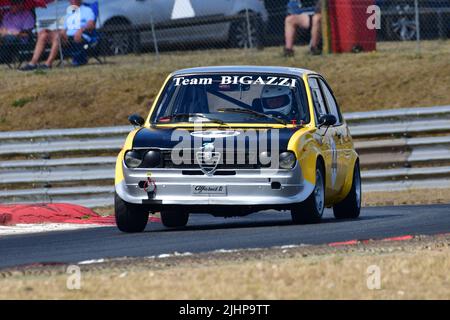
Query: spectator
(15,29)
(307,22)
(76,23)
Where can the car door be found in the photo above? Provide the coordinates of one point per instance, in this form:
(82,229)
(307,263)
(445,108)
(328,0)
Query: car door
(324,136)
(340,135)
(200,14)
(145,12)
(211,8)
(141,12)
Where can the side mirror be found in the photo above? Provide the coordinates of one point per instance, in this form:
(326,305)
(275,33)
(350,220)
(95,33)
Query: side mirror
(327,120)
(136,120)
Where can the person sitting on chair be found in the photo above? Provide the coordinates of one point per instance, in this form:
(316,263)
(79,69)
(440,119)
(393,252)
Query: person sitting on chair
(15,29)
(304,21)
(79,20)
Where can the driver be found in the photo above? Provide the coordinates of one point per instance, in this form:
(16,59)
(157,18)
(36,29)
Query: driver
(277,99)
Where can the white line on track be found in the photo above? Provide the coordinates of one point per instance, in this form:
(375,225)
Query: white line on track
(43,227)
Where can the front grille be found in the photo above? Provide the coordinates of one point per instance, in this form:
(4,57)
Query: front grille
(216,173)
(189,159)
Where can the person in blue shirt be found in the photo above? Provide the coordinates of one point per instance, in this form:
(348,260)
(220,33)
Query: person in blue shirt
(79,19)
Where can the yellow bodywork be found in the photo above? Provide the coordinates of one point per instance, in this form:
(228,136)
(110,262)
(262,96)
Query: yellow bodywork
(306,143)
(128,145)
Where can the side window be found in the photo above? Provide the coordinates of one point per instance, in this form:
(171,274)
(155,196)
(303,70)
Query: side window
(331,102)
(319,104)
(301,102)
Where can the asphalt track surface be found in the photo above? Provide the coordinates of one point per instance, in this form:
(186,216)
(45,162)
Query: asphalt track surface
(206,233)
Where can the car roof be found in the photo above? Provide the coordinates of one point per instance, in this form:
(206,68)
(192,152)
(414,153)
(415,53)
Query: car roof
(244,69)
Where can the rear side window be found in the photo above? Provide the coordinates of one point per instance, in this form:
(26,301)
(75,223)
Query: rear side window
(319,103)
(331,102)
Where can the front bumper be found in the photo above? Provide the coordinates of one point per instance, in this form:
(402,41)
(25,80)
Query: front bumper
(247,187)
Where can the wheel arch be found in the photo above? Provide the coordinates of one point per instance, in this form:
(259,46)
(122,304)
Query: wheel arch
(348,179)
(321,161)
(241,14)
(307,151)
(117,19)
(253,6)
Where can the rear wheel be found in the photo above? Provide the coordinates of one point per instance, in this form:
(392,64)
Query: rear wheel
(174,219)
(243,35)
(401,24)
(130,217)
(311,210)
(350,207)
(119,38)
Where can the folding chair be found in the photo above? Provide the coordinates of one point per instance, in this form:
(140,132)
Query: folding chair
(91,44)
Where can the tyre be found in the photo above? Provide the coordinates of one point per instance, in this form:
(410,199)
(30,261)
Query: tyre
(119,40)
(311,210)
(130,217)
(350,207)
(239,33)
(174,219)
(401,24)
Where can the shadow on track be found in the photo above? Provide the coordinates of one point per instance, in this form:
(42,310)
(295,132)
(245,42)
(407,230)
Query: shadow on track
(259,220)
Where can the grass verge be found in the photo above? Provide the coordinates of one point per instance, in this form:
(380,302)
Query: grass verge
(416,269)
(101,95)
(409,197)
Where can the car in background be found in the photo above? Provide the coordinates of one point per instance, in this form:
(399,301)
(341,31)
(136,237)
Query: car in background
(399,22)
(127,25)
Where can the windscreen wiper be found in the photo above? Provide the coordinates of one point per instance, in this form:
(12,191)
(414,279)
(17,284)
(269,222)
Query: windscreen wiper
(188,115)
(252,112)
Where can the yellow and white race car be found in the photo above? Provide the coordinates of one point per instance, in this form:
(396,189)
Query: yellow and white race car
(230,141)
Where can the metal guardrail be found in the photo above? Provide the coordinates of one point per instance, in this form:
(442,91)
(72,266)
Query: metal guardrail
(400,149)
(399,114)
(51,146)
(55,133)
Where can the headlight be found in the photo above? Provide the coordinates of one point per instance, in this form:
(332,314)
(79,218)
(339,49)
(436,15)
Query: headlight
(133,159)
(152,159)
(264,158)
(287,160)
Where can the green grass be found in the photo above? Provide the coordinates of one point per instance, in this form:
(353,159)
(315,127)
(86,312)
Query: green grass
(21,102)
(102,95)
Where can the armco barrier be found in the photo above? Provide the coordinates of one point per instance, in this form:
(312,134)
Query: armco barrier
(400,149)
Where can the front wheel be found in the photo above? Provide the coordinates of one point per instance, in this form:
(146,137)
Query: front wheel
(311,210)
(401,28)
(174,219)
(350,207)
(130,217)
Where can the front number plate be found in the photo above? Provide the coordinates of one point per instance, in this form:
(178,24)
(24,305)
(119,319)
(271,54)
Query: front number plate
(209,189)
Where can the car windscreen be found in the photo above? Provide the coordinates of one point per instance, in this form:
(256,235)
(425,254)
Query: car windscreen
(233,98)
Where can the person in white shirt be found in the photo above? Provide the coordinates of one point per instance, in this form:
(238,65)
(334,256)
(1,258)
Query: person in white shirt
(79,19)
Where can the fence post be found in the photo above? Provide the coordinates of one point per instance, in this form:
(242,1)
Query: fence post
(326,32)
(61,56)
(416,8)
(155,40)
(249,28)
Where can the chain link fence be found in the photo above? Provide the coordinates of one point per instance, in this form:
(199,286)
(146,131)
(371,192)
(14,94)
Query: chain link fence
(154,26)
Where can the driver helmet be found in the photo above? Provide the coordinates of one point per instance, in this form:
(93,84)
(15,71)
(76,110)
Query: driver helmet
(276,98)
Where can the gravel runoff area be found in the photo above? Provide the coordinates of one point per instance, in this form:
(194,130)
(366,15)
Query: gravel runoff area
(403,268)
